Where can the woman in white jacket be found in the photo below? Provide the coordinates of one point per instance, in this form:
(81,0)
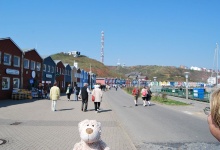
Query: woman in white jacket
(97,93)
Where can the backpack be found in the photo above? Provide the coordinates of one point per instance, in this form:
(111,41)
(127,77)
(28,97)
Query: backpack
(144,93)
(136,91)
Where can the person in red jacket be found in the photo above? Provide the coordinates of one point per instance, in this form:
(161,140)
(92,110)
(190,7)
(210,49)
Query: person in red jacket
(135,93)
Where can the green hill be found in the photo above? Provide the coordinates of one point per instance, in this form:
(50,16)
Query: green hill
(84,63)
(163,73)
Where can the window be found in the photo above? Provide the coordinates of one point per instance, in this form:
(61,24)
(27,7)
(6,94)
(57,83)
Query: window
(32,65)
(52,69)
(7,59)
(45,68)
(16,83)
(38,67)
(5,83)
(60,71)
(48,68)
(26,63)
(16,61)
(0,57)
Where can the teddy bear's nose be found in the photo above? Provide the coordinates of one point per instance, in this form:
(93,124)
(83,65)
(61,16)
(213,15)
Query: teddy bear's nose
(89,130)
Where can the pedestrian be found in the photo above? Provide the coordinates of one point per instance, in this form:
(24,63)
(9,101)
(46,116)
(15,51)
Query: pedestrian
(135,93)
(40,90)
(54,96)
(48,90)
(149,95)
(69,91)
(116,87)
(76,91)
(97,93)
(84,92)
(214,116)
(144,95)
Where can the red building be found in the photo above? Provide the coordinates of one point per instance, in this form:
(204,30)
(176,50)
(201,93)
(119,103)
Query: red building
(32,72)
(10,67)
(59,77)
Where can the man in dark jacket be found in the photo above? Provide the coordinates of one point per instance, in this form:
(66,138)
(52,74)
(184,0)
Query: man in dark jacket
(76,90)
(85,95)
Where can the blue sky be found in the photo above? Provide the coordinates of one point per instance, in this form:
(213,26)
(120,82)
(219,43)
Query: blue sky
(137,32)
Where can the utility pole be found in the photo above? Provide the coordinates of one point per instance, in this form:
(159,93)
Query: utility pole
(102,47)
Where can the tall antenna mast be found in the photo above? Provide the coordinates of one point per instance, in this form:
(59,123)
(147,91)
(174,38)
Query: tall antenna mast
(102,47)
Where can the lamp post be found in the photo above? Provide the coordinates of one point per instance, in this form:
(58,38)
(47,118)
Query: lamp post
(155,80)
(90,72)
(186,76)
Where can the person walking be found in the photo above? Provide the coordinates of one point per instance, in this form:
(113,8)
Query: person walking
(54,96)
(144,95)
(84,92)
(149,95)
(48,91)
(77,90)
(40,90)
(116,87)
(135,93)
(97,93)
(69,91)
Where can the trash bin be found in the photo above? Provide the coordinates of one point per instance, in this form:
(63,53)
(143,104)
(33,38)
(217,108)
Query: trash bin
(198,93)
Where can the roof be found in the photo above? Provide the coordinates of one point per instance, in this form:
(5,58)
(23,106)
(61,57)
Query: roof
(33,49)
(56,61)
(8,38)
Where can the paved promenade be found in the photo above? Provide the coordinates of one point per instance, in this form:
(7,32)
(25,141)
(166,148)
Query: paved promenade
(31,125)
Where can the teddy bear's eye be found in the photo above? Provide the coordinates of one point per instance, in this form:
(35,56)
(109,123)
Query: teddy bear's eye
(87,124)
(93,125)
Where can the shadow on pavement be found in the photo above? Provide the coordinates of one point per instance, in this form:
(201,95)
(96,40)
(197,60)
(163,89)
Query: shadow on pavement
(105,110)
(65,109)
(9,102)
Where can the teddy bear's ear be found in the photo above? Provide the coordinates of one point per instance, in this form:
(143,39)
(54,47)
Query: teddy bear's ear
(99,124)
(80,125)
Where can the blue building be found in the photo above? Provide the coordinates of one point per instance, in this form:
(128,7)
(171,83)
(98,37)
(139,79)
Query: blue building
(48,71)
(67,75)
(82,78)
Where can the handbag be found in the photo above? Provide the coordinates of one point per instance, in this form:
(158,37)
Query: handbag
(67,91)
(93,98)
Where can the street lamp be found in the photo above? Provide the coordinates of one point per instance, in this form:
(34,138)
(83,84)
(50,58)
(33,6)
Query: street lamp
(90,72)
(155,80)
(186,76)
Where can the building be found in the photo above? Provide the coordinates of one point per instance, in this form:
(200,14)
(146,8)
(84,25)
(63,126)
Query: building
(59,77)
(67,76)
(48,71)
(11,67)
(73,76)
(78,76)
(32,69)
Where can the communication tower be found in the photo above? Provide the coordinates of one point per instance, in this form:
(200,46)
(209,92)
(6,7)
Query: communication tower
(102,47)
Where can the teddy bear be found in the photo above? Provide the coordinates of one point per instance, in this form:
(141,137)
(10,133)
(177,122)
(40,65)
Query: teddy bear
(90,134)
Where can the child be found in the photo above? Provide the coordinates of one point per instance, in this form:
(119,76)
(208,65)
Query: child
(214,117)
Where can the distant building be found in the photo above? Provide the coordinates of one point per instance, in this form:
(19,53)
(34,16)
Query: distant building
(183,67)
(195,68)
(73,53)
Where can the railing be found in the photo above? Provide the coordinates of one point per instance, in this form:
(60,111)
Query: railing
(204,96)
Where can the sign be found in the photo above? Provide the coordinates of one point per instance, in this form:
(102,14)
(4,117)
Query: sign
(48,76)
(33,74)
(31,81)
(12,71)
